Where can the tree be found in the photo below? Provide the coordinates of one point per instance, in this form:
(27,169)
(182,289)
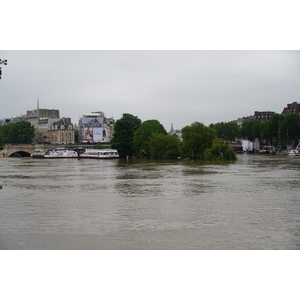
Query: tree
(142,136)
(220,151)
(98,146)
(18,133)
(274,129)
(251,130)
(76,136)
(196,139)
(226,131)
(164,146)
(1,142)
(290,129)
(123,134)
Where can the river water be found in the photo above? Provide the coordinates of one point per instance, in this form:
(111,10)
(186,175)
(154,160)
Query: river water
(253,203)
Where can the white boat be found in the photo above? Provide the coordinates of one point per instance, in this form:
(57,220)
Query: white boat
(83,153)
(60,153)
(38,154)
(100,153)
(295,152)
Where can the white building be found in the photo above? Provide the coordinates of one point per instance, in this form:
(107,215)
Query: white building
(95,128)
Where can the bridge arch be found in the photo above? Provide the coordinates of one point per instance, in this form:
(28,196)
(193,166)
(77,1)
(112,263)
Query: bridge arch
(20,154)
(11,150)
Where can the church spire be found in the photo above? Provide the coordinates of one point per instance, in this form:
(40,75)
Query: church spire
(172,129)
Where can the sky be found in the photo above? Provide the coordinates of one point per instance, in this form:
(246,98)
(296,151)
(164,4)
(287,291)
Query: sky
(171,86)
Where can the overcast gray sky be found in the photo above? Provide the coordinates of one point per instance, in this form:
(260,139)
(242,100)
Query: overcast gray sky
(177,87)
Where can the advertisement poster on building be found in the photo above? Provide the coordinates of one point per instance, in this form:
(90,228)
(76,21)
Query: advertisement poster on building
(97,135)
(88,135)
(92,129)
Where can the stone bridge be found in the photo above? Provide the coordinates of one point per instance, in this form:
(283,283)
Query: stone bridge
(18,150)
(25,150)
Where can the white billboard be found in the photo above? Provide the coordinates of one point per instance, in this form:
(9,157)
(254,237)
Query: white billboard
(91,129)
(98,134)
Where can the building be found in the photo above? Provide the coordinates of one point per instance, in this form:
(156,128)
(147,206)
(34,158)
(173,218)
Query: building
(4,122)
(18,119)
(60,132)
(95,128)
(41,120)
(263,116)
(41,131)
(241,121)
(176,132)
(49,127)
(293,108)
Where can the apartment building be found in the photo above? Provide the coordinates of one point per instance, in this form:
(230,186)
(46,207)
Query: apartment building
(292,108)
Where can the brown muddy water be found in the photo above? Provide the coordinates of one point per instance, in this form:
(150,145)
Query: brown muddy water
(253,203)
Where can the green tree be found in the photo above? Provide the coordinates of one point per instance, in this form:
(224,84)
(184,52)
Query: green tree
(17,133)
(274,129)
(290,129)
(164,146)
(123,134)
(98,146)
(76,136)
(142,136)
(219,151)
(251,130)
(1,141)
(196,139)
(226,131)
(265,132)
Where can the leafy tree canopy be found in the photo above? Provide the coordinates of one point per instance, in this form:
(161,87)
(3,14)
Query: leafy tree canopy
(98,146)
(290,129)
(279,129)
(274,125)
(142,136)
(219,151)
(196,138)
(76,136)
(17,133)
(226,131)
(252,129)
(1,143)
(123,134)
(164,146)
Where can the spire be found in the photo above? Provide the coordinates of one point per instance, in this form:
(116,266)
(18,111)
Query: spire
(172,129)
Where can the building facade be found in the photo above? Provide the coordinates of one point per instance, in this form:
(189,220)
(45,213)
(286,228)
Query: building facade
(95,128)
(61,132)
(263,116)
(40,119)
(293,108)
